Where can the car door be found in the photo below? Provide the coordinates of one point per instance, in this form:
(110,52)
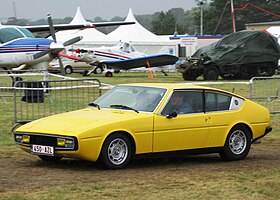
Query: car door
(221,109)
(184,131)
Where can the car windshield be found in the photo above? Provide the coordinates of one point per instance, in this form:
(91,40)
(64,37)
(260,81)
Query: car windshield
(136,98)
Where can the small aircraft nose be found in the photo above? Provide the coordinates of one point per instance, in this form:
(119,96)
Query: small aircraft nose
(56,46)
(78,50)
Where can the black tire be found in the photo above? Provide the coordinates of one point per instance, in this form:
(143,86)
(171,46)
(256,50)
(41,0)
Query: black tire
(50,158)
(237,145)
(116,152)
(210,73)
(270,70)
(108,74)
(68,70)
(246,73)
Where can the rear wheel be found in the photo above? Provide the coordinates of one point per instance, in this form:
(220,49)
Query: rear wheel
(210,73)
(270,70)
(116,152)
(237,145)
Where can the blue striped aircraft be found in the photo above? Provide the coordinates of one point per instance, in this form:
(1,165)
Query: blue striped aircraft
(20,49)
(122,56)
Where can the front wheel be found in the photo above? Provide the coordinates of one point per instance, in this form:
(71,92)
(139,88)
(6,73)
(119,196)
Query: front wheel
(237,145)
(210,73)
(68,70)
(116,152)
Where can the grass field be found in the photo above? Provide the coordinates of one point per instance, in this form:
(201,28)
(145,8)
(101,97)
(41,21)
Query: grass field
(23,176)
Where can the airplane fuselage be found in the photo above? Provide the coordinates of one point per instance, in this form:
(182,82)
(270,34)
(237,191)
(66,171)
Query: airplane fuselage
(122,56)
(20,51)
(98,55)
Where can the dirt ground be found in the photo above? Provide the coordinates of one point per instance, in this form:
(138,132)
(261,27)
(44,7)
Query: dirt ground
(20,171)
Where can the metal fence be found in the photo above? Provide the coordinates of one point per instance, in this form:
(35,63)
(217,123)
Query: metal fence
(34,99)
(265,91)
(37,99)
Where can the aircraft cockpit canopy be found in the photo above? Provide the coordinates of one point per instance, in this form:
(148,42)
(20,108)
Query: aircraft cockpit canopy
(10,33)
(126,46)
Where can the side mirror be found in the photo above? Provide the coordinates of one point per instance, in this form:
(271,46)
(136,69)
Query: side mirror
(172,115)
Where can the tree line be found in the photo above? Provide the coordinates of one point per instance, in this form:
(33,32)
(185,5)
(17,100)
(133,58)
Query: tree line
(217,18)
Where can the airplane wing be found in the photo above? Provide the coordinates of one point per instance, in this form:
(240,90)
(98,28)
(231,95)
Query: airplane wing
(62,27)
(152,61)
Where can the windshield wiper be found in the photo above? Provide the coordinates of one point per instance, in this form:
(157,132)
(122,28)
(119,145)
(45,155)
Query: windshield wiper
(123,107)
(94,105)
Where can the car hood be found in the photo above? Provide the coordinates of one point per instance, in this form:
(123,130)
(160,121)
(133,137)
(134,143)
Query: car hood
(76,122)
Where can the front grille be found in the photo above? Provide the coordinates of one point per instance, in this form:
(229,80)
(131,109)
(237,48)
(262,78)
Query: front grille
(47,140)
(43,140)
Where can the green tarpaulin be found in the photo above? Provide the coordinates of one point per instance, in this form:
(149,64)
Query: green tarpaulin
(241,48)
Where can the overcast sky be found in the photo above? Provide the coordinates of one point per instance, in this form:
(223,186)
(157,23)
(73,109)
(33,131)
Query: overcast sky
(106,9)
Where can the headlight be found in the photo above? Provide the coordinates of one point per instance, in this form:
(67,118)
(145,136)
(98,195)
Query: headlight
(60,142)
(18,138)
(26,139)
(65,142)
(22,139)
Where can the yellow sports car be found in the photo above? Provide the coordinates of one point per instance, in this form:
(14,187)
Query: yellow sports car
(134,119)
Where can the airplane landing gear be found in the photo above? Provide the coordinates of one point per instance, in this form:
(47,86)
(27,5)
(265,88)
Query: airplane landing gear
(98,70)
(108,74)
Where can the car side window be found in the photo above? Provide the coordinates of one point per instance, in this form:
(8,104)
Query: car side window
(217,101)
(184,102)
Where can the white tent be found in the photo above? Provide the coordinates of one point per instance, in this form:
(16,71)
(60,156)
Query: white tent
(135,32)
(90,35)
(142,39)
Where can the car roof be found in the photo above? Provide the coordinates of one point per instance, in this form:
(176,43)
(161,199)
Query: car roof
(170,85)
(174,86)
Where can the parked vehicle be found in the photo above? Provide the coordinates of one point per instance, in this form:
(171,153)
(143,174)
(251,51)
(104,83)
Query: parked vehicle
(240,55)
(70,66)
(149,118)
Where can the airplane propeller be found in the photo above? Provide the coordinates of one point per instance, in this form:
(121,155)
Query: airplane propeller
(72,41)
(56,48)
(52,31)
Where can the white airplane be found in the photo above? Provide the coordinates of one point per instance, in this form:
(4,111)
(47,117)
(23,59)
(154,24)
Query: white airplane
(20,49)
(121,56)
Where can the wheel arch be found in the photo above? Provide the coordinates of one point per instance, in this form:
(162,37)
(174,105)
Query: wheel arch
(68,66)
(239,124)
(129,136)
(212,64)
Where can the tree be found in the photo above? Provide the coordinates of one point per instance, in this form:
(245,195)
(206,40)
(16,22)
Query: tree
(165,24)
(15,21)
(221,9)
